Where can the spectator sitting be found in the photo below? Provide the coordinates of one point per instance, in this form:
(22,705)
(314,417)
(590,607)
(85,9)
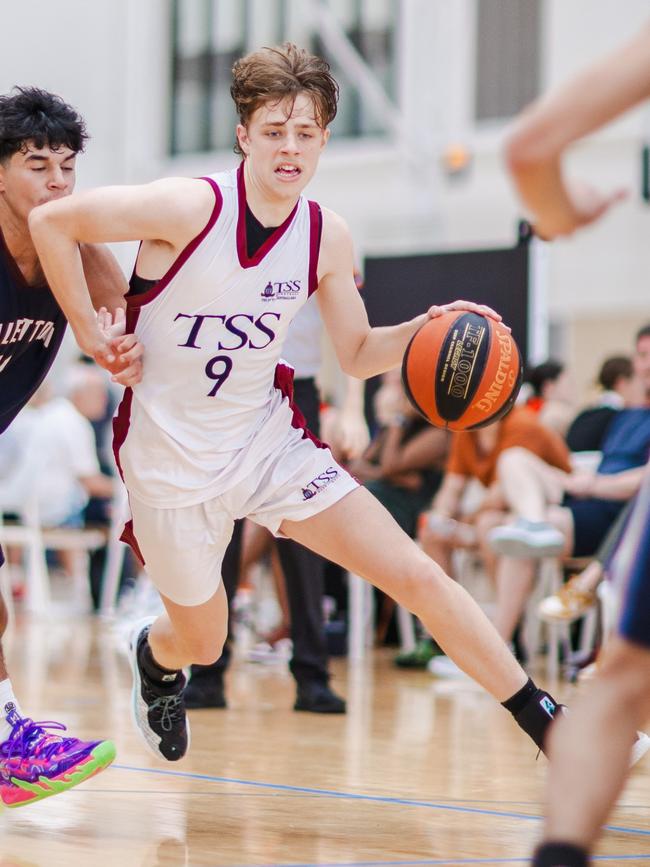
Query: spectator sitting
(63,448)
(566,513)
(578,595)
(403,464)
(620,388)
(553,395)
(475,456)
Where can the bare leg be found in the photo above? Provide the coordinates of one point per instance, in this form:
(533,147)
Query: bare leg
(590,577)
(562,518)
(189,634)
(529,485)
(600,728)
(438,547)
(360,535)
(256,542)
(515,580)
(281,591)
(486,521)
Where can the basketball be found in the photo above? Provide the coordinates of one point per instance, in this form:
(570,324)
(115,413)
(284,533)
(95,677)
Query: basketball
(462,371)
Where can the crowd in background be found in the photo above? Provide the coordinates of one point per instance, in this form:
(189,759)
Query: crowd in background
(554,478)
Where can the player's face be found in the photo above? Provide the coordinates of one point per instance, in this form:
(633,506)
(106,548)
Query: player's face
(36,176)
(282,144)
(642,363)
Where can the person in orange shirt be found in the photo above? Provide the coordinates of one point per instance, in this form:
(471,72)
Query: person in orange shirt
(476,455)
(553,397)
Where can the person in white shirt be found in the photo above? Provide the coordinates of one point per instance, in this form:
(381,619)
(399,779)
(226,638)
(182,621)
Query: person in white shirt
(63,449)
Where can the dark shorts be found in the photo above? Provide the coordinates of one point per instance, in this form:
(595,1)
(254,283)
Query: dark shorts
(591,520)
(631,572)
(2,556)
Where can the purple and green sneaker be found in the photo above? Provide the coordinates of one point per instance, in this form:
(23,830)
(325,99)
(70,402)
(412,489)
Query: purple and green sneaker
(35,764)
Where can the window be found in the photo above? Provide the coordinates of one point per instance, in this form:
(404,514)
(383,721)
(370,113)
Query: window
(508,56)
(209,35)
(370,25)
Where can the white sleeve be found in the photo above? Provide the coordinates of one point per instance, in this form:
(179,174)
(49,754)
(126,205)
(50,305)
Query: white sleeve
(80,443)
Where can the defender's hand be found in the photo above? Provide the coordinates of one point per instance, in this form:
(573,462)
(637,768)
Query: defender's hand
(117,352)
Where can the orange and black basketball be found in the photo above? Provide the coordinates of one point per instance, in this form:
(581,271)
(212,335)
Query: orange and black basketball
(462,371)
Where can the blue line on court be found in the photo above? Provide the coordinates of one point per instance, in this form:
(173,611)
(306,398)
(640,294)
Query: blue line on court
(351,796)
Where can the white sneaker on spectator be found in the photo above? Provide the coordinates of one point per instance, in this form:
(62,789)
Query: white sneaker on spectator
(270,654)
(442,666)
(526,539)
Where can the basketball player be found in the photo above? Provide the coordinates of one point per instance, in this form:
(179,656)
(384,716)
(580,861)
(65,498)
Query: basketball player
(40,137)
(210,433)
(594,741)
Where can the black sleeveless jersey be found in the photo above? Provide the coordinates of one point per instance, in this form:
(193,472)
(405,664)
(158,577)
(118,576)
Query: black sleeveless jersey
(32,326)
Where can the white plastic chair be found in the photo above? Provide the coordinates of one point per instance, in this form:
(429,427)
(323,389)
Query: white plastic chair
(116,551)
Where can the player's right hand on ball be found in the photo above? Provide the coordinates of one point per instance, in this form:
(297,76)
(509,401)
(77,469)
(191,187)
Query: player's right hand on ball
(462,306)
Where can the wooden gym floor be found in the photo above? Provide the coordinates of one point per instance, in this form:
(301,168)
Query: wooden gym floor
(418,772)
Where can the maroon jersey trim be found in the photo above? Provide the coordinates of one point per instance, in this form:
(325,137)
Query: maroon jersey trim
(315,235)
(245,260)
(145,297)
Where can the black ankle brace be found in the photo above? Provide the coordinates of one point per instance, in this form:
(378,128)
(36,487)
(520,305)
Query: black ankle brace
(560,855)
(533,711)
(156,672)
(518,701)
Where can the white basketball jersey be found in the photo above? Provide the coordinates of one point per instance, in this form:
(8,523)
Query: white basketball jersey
(212,329)
(302,348)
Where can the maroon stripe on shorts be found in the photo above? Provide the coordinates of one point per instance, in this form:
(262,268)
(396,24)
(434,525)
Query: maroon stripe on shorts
(283,381)
(121,423)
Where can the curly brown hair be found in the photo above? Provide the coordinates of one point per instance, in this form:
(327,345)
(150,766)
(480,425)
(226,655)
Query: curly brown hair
(281,72)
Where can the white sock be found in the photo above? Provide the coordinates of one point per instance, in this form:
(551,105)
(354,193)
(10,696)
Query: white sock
(8,707)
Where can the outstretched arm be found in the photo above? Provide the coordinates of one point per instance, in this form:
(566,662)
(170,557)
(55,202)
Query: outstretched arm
(169,212)
(542,133)
(363,351)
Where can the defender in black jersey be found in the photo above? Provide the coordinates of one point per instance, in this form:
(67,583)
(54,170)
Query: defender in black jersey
(40,137)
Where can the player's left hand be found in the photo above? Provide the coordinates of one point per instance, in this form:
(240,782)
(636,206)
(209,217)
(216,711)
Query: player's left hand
(351,434)
(583,205)
(122,353)
(469,306)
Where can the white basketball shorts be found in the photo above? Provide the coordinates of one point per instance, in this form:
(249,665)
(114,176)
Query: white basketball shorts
(183,548)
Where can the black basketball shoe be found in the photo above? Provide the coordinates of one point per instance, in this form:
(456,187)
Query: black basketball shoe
(205,692)
(158,706)
(315,696)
